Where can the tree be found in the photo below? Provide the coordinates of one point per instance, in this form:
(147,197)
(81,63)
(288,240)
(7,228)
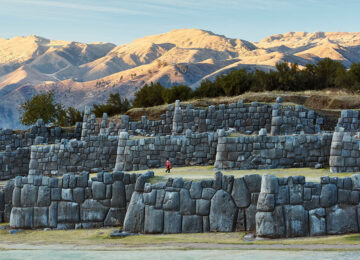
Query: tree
(42,106)
(114,105)
(180,92)
(149,95)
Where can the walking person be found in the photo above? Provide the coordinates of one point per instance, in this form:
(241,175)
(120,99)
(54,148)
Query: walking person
(168,165)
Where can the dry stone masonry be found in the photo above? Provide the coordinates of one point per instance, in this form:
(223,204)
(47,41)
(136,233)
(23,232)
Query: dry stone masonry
(292,207)
(49,185)
(72,201)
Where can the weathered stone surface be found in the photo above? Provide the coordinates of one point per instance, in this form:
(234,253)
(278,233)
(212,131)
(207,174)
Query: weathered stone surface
(79,195)
(270,224)
(222,212)
(66,194)
(150,198)
(202,207)
(29,195)
(328,197)
(269,184)
(55,194)
(341,220)
(129,189)
(154,220)
(192,224)
(282,197)
(240,221)
(140,183)
(93,211)
(172,222)
(253,182)
(160,194)
(240,193)
(195,190)
(250,213)
(16,199)
(187,204)
(317,223)
(21,217)
(208,193)
(41,219)
(355,182)
(53,214)
(115,217)
(135,215)
(296,194)
(266,202)
(118,199)
(43,199)
(68,212)
(171,201)
(98,190)
(296,221)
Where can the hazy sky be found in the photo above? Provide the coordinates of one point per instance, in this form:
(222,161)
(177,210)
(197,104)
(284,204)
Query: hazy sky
(121,21)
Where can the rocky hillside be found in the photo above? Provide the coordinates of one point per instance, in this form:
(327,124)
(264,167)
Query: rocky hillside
(82,74)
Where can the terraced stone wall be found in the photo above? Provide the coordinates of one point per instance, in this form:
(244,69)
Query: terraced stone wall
(144,153)
(94,153)
(344,154)
(292,207)
(287,120)
(14,163)
(225,204)
(72,201)
(6,192)
(264,152)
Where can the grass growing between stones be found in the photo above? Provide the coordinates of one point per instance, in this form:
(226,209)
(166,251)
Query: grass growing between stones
(207,172)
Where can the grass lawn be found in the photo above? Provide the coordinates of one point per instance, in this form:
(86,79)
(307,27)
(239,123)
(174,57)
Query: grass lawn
(207,172)
(102,237)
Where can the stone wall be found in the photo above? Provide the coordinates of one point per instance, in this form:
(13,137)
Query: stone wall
(292,207)
(144,153)
(14,163)
(6,192)
(94,153)
(224,204)
(344,154)
(264,152)
(287,120)
(72,201)
(9,137)
(349,120)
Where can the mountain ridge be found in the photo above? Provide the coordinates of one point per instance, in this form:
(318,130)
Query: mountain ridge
(85,73)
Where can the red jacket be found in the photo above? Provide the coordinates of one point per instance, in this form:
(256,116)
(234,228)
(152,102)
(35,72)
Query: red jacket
(168,165)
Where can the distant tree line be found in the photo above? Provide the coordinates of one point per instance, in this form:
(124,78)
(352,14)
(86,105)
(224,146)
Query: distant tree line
(325,74)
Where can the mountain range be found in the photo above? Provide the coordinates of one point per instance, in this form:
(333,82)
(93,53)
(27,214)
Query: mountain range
(83,74)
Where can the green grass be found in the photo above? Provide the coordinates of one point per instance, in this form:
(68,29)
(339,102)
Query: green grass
(207,172)
(101,237)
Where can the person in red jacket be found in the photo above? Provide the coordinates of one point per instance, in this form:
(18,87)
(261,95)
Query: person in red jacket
(168,165)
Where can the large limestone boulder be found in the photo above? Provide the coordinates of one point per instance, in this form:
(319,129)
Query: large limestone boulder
(317,222)
(135,215)
(296,221)
(154,220)
(192,224)
(93,211)
(187,204)
(270,224)
(240,193)
(222,212)
(341,220)
(68,212)
(172,222)
(21,217)
(328,196)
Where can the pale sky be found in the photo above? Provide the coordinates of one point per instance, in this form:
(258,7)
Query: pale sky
(122,21)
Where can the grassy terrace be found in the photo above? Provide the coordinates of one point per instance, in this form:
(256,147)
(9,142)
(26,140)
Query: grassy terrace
(101,237)
(207,172)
